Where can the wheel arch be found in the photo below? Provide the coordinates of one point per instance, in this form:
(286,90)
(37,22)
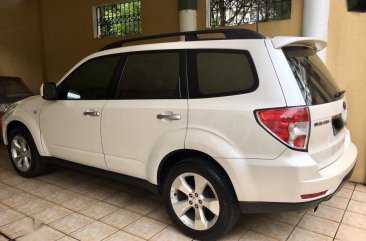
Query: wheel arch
(179,155)
(21,118)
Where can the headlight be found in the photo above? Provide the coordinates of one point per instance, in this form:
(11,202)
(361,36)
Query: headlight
(9,109)
(3,107)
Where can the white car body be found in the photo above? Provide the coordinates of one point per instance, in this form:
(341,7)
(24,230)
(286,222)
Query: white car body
(127,137)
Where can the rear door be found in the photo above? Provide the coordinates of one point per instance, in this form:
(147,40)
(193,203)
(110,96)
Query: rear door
(149,115)
(326,103)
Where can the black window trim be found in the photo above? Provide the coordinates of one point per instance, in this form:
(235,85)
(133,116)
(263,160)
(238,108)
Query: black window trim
(182,73)
(192,73)
(113,84)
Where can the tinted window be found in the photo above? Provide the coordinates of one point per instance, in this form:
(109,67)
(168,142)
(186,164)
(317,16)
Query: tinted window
(151,76)
(218,73)
(315,81)
(92,80)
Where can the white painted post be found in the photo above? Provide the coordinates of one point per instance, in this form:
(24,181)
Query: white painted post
(187,15)
(315,21)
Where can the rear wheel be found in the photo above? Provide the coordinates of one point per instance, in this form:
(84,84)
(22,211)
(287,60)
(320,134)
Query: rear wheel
(24,154)
(200,200)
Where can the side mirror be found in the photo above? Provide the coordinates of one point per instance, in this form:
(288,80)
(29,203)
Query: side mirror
(49,91)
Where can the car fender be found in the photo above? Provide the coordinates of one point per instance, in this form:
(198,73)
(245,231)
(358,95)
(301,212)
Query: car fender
(30,121)
(169,143)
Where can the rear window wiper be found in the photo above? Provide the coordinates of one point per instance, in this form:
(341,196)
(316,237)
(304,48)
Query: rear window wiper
(339,94)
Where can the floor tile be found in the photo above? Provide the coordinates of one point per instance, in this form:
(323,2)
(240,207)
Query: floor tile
(71,223)
(121,199)
(327,212)
(123,236)
(304,235)
(102,193)
(34,206)
(17,228)
(15,180)
(6,192)
(3,207)
(318,225)
(7,174)
(337,202)
(350,185)
(84,187)
(29,185)
(98,210)
(355,220)
(169,234)
(291,218)
(252,236)
(345,193)
(45,233)
(79,202)
(357,207)
(94,232)
(348,233)
(145,227)
(360,188)
(8,216)
(51,214)
(120,218)
(273,228)
(45,190)
(61,196)
(359,196)
(160,214)
(17,200)
(144,205)
(67,238)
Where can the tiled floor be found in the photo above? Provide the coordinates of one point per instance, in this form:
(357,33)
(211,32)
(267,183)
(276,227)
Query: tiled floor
(68,205)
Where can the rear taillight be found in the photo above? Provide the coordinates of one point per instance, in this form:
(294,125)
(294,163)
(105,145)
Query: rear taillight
(289,125)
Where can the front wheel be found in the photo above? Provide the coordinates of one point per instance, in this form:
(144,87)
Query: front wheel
(24,154)
(200,199)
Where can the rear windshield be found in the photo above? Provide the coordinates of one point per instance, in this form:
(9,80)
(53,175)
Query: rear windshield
(314,79)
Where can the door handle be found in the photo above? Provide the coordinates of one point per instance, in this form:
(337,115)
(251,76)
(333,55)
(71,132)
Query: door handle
(168,116)
(92,113)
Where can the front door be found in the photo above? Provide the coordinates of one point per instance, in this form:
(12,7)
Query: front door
(70,126)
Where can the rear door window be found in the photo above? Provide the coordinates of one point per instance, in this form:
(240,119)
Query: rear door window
(314,79)
(216,73)
(151,75)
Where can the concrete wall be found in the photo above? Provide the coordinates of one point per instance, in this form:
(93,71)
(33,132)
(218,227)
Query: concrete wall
(346,58)
(20,52)
(68,30)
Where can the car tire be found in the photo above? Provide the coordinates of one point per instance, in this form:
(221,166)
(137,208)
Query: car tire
(200,199)
(23,153)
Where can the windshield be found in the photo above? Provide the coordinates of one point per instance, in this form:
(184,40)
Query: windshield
(314,79)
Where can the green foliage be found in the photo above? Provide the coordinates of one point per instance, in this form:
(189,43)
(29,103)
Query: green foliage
(119,19)
(235,12)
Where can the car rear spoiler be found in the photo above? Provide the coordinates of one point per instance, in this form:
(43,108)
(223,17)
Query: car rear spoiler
(316,44)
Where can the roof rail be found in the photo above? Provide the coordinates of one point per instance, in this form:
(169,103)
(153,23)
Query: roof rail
(193,36)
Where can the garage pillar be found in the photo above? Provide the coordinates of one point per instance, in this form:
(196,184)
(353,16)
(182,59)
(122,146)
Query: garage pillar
(187,15)
(315,21)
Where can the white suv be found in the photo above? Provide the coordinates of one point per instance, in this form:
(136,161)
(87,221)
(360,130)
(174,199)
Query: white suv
(217,126)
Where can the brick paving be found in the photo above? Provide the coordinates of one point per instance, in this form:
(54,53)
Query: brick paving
(69,205)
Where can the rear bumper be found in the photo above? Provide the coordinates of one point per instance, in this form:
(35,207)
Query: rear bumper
(274,207)
(278,184)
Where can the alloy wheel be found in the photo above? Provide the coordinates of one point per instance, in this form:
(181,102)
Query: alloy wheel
(194,201)
(21,153)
